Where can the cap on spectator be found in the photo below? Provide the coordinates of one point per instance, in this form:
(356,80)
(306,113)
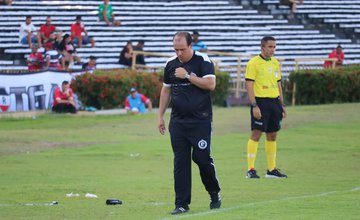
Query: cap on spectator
(48,45)
(78,17)
(132,90)
(196,33)
(339,47)
(92,57)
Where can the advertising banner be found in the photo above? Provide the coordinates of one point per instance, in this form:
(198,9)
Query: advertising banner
(30,91)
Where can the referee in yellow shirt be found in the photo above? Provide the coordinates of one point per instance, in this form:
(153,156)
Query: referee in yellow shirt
(263,85)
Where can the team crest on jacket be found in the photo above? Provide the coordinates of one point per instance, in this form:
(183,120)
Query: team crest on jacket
(202,144)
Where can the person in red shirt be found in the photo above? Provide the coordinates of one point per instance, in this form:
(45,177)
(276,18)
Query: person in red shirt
(338,54)
(76,34)
(35,59)
(63,99)
(47,29)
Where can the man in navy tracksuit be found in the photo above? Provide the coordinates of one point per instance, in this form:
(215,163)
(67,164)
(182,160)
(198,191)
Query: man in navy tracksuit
(188,79)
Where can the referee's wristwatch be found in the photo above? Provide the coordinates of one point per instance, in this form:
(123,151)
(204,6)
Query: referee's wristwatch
(254,104)
(187,76)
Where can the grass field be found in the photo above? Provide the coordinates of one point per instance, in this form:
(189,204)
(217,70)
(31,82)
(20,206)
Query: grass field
(124,157)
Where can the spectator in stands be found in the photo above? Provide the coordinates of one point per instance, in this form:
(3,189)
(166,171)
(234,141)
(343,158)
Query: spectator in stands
(135,102)
(64,99)
(91,65)
(338,54)
(68,50)
(140,47)
(27,33)
(54,41)
(126,54)
(106,14)
(76,34)
(292,4)
(53,58)
(198,45)
(5,2)
(35,59)
(45,31)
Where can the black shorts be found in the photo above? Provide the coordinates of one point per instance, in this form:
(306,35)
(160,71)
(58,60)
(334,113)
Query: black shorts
(271,115)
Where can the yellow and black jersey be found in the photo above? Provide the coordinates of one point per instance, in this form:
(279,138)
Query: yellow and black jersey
(265,73)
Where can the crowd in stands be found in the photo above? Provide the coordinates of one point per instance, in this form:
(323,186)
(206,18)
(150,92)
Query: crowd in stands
(59,52)
(60,48)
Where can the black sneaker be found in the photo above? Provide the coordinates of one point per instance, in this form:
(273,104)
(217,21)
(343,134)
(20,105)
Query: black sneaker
(251,174)
(275,173)
(180,210)
(215,200)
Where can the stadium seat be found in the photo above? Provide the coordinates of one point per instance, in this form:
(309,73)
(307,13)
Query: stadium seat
(223,26)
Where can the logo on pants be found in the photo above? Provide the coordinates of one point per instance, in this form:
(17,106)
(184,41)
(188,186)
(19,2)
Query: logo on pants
(202,144)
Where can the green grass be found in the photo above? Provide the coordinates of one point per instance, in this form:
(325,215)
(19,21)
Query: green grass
(124,157)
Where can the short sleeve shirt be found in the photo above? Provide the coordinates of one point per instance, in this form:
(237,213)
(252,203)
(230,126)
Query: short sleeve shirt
(108,12)
(22,33)
(47,29)
(265,74)
(59,94)
(35,61)
(190,104)
(199,46)
(77,29)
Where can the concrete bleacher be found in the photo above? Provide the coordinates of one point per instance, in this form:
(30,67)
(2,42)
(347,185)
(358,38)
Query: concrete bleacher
(223,27)
(342,17)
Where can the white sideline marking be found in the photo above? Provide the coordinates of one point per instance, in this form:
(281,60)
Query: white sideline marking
(257,203)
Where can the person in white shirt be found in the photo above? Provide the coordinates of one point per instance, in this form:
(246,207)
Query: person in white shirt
(27,33)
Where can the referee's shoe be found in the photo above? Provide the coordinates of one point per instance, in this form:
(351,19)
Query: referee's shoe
(251,174)
(215,200)
(275,173)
